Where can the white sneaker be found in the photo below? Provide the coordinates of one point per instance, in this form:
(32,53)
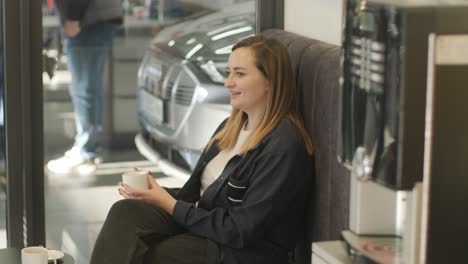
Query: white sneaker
(85,169)
(67,163)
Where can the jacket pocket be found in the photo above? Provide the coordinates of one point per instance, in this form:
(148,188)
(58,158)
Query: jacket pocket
(235,191)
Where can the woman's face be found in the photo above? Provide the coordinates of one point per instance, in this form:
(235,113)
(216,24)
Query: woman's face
(246,83)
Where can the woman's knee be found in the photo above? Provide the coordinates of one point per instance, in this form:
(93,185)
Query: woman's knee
(179,249)
(125,207)
(136,211)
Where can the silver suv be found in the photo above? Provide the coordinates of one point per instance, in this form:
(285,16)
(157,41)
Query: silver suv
(181,96)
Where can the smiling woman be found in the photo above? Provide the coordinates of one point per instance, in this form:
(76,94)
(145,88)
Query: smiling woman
(266,90)
(245,198)
(247,84)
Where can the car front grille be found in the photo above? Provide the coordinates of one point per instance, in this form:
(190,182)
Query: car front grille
(169,80)
(185,89)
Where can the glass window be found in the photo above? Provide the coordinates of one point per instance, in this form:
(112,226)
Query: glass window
(3,180)
(163,75)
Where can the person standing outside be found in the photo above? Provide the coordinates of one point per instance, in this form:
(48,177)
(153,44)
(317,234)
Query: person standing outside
(88,27)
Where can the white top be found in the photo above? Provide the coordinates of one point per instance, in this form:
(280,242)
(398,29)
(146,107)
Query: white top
(215,167)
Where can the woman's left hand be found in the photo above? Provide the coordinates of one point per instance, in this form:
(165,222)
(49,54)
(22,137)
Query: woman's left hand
(155,195)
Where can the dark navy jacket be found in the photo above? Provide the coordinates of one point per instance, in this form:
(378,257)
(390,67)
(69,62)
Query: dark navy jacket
(90,12)
(254,211)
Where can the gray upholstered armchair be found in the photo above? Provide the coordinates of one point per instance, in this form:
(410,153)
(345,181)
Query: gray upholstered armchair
(316,68)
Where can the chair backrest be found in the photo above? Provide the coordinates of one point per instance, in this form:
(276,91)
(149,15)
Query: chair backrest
(316,68)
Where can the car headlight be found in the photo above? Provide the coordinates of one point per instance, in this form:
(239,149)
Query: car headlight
(216,71)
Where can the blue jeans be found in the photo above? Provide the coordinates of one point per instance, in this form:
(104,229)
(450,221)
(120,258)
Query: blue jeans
(86,57)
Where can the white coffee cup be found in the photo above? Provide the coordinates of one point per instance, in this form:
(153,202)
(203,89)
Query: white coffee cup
(136,179)
(34,255)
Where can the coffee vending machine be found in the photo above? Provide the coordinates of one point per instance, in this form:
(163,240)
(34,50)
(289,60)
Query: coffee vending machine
(382,102)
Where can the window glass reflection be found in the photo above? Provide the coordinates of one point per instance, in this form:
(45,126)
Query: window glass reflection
(3,181)
(181,45)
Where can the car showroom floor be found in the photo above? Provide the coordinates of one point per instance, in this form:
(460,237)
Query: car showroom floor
(77,204)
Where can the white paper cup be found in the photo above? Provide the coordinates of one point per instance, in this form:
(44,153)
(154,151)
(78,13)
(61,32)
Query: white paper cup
(34,255)
(136,179)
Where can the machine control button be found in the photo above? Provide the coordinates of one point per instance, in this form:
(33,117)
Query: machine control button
(361,164)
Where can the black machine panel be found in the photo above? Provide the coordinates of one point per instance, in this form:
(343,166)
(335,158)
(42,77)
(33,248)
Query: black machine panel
(383,87)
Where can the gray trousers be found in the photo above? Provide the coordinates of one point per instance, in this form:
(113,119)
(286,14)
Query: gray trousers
(137,233)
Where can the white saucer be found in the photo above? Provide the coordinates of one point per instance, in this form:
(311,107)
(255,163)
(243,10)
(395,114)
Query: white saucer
(55,254)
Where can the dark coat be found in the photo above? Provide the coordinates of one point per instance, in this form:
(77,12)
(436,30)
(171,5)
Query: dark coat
(254,211)
(90,12)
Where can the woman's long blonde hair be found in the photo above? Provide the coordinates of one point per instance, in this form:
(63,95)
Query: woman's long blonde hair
(272,59)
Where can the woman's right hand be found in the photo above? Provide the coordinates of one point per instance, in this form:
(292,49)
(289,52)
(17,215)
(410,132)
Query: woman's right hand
(155,195)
